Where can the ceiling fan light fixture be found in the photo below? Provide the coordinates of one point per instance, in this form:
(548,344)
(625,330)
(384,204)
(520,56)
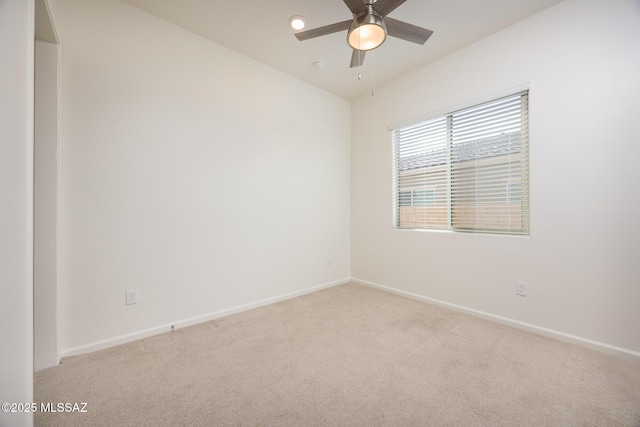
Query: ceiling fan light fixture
(367,31)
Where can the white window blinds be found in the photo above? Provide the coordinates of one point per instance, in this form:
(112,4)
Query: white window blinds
(465,171)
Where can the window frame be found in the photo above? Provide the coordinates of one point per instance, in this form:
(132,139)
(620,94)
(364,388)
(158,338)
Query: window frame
(520,201)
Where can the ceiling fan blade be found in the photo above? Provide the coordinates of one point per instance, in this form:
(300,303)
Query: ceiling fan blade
(357,58)
(356,6)
(406,31)
(323,31)
(385,7)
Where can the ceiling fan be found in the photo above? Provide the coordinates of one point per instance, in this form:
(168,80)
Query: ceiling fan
(369,27)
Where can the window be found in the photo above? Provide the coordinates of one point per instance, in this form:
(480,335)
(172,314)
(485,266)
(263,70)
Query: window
(417,198)
(465,171)
(514,189)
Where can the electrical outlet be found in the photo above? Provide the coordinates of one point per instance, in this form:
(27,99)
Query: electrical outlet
(521,289)
(131,297)
(329,262)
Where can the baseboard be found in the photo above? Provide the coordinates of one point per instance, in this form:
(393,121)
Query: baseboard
(629,355)
(623,353)
(134,336)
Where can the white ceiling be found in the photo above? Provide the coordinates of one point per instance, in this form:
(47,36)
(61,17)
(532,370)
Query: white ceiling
(260,30)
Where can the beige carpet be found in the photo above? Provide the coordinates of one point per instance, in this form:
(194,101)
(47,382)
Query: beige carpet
(345,356)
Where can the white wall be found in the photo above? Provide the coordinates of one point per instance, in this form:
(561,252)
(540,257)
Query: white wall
(198,176)
(16,207)
(582,60)
(45,259)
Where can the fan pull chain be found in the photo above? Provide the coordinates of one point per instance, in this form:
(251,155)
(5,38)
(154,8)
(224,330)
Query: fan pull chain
(373,68)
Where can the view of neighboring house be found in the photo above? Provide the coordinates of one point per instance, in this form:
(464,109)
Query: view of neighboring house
(464,178)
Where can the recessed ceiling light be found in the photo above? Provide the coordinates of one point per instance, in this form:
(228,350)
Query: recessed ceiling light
(297,22)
